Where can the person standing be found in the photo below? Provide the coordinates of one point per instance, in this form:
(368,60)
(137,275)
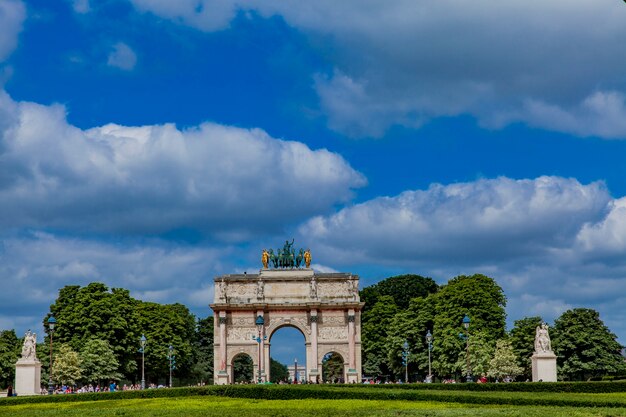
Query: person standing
(10,391)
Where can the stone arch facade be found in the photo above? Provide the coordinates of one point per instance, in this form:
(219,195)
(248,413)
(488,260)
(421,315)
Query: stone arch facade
(324,307)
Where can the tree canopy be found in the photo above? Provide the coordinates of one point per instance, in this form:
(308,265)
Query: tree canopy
(83,313)
(483,301)
(585,347)
(9,354)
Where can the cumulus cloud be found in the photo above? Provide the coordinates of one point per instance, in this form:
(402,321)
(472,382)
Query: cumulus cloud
(406,62)
(12,15)
(35,265)
(122,57)
(552,243)
(224,181)
(484,220)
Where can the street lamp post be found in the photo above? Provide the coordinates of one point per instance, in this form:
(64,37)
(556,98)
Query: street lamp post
(143,340)
(466,323)
(429,340)
(295,371)
(260,322)
(405,355)
(51,322)
(172,360)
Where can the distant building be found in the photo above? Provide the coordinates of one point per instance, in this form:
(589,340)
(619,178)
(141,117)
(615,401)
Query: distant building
(300,377)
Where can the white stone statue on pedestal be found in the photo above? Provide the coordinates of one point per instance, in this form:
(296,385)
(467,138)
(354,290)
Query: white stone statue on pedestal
(28,368)
(544,359)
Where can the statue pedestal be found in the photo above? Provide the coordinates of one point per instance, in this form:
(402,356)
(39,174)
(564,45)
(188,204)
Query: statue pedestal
(544,367)
(28,377)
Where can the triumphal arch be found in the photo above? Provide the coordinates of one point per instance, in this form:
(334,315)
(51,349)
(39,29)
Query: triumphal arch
(249,308)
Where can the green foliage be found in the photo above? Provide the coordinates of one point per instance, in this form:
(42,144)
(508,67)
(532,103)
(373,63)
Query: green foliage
(482,299)
(243,368)
(98,362)
(164,325)
(402,289)
(376,323)
(278,371)
(83,313)
(585,347)
(522,337)
(410,325)
(66,366)
(332,367)
(504,363)
(480,352)
(9,354)
(202,369)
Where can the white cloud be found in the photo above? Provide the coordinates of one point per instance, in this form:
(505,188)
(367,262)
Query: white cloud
(34,266)
(602,113)
(551,243)
(225,181)
(122,57)
(405,62)
(484,220)
(12,15)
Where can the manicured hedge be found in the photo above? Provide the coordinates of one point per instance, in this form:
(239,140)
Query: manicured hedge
(599,387)
(406,392)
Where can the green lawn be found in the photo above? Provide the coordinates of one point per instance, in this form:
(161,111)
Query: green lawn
(329,400)
(238,407)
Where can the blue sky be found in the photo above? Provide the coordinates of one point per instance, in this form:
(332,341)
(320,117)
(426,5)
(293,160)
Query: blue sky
(153,145)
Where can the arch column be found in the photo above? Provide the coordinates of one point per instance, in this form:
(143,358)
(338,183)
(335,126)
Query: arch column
(352,374)
(314,368)
(222,374)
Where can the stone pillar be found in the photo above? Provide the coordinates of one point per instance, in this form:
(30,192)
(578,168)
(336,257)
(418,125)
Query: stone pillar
(352,374)
(314,367)
(222,374)
(28,377)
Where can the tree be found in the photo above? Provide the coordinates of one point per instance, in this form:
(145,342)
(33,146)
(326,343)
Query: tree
(410,325)
(332,367)
(477,296)
(585,347)
(66,367)
(98,362)
(402,289)
(83,313)
(203,352)
(167,325)
(480,352)
(278,371)
(522,337)
(504,363)
(381,343)
(9,354)
(375,325)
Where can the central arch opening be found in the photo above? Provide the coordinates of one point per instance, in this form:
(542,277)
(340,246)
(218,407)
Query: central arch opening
(288,356)
(243,369)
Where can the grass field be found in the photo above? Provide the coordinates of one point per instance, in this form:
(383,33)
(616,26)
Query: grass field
(238,407)
(390,402)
